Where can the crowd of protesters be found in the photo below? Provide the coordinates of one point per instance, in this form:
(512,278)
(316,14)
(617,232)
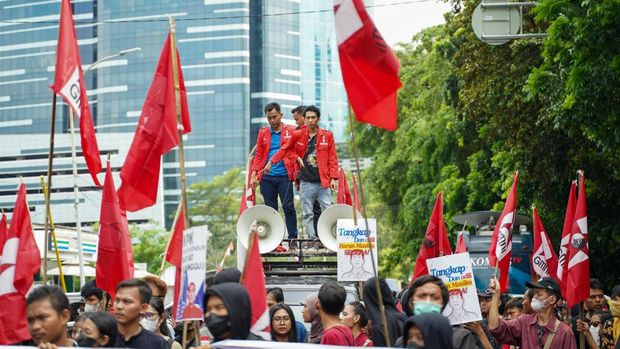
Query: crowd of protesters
(414,318)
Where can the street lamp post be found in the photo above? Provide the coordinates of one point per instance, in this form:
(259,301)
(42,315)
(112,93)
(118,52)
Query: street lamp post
(76,191)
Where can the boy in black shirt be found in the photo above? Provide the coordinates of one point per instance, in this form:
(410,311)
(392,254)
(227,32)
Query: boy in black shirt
(131,302)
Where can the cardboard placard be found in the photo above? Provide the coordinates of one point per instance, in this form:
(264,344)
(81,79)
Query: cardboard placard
(354,261)
(193,269)
(456,273)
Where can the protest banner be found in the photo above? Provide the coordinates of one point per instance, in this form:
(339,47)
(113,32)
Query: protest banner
(193,269)
(456,272)
(354,262)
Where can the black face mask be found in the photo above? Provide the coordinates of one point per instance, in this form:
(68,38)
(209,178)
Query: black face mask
(217,325)
(86,342)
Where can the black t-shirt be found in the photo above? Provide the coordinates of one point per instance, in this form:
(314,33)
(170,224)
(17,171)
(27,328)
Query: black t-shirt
(143,340)
(310,171)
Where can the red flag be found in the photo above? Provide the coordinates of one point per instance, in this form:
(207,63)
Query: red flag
(114,253)
(248,197)
(544,259)
(174,253)
(501,243)
(369,67)
(356,199)
(156,134)
(69,83)
(254,280)
(562,272)
(344,195)
(20,261)
(460,244)
(578,285)
(435,242)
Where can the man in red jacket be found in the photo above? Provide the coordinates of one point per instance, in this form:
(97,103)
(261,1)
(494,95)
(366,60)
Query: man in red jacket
(278,181)
(315,151)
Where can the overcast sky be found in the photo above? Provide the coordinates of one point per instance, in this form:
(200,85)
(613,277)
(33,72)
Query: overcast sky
(401,19)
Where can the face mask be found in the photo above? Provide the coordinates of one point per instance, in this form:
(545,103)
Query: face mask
(217,325)
(594,331)
(425,307)
(86,342)
(149,325)
(88,308)
(537,304)
(413,345)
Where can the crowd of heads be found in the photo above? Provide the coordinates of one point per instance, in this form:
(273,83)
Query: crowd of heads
(412,318)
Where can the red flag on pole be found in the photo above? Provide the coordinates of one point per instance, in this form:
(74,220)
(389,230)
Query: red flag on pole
(114,252)
(356,199)
(20,261)
(248,197)
(460,245)
(544,259)
(174,253)
(254,280)
(69,83)
(435,242)
(569,217)
(155,135)
(344,195)
(578,285)
(369,67)
(501,243)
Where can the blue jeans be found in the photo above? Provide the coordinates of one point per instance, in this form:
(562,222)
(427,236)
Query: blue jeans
(311,192)
(273,186)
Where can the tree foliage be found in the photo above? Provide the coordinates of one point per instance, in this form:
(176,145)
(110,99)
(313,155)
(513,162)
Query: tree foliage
(471,114)
(216,204)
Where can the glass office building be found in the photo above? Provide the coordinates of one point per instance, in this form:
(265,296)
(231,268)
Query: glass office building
(237,56)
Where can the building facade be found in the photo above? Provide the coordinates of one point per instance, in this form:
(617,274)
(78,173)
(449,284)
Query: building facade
(237,56)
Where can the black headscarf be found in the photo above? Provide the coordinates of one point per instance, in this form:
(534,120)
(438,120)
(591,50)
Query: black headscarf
(237,301)
(395,319)
(435,328)
(227,275)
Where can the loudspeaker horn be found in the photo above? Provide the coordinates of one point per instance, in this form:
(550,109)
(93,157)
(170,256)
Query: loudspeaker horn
(270,227)
(328,221)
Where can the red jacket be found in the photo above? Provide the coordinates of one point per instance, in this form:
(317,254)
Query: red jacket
(326,156)
(263,144)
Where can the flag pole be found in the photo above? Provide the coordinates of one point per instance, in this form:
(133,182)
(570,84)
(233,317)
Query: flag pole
(53,233)
(50,160)
(177,99)
(365,216)
(76,199)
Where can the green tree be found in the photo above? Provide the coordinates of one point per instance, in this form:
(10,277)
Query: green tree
(149,246)
(216,204)
(470,114)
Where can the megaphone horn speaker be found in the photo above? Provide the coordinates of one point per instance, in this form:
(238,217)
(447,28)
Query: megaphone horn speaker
(328,221)
(270,227)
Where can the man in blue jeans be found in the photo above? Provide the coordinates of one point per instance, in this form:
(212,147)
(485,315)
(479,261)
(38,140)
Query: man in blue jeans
(279,180)
(315,151)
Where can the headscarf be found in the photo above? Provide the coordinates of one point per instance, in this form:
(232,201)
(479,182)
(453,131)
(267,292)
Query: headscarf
(227,275)
(395,319)
(237,301)
(316,329)
(435,328)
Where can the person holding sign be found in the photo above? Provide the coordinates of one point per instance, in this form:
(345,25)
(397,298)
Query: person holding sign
(532,331)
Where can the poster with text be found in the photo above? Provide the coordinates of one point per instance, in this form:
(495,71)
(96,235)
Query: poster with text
(193,271)
(456,272)
(354,244)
